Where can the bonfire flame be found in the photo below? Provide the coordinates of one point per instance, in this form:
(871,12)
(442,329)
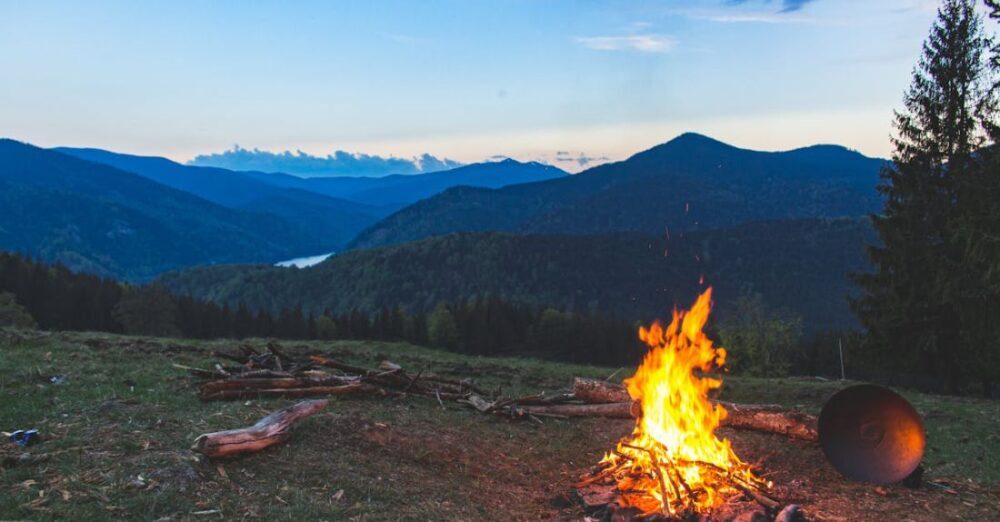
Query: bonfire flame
(673,462)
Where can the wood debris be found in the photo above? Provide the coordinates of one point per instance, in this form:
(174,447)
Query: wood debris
(276,374)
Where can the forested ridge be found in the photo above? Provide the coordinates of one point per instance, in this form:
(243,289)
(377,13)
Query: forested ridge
(800,265)
(691,182)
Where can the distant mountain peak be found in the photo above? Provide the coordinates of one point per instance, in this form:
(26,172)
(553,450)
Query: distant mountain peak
(693,137)
(685,143)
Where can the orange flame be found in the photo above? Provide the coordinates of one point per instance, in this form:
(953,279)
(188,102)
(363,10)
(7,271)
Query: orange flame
(673,461)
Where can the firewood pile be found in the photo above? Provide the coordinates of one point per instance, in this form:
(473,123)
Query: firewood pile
(274,373)
(253,374)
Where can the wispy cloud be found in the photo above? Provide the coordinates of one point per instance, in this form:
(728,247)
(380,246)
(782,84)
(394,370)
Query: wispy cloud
(787,6)
(644,43)
(750,11)
(582,160)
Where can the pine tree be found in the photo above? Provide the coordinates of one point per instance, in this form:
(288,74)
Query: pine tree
(908,306)
(13,314)
(975,291)
(442,330)
(148,310)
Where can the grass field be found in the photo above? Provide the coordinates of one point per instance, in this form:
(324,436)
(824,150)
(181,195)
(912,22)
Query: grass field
(116,435)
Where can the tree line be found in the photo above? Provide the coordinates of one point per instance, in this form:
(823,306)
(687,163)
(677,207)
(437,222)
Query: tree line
(52,297)
(760,340)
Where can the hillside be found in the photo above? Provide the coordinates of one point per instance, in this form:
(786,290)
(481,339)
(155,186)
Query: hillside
(689,183)
(96,218)
(331,221)
(397,191)
(799,265)
(119,441)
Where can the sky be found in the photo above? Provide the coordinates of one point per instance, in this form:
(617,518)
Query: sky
(571,82)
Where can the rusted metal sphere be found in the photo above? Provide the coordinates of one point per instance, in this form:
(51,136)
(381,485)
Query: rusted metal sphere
(871,434)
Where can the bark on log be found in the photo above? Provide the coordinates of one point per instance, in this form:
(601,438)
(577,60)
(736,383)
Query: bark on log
(288,393)
(279,382)
(794,424)
(614,410)
(769,418)
(331,363)
(594,391)
(271,430)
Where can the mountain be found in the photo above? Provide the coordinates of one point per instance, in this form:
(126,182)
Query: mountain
(399,190)
(100,219)
(799,265)
(331,221)
(689,183)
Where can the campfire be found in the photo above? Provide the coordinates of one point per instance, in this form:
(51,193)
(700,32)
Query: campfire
(673,463)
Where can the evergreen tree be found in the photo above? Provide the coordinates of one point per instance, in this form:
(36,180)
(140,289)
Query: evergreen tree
(442,330)
(148,310)
(759,340)
(909,304)
(326,328)
(13,314)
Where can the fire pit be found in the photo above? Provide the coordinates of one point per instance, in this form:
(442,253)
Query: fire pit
(674,466)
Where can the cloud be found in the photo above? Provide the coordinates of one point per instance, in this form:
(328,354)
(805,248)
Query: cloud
(644,43)
(735,12)
(787,6)
(582,160)
(340,163)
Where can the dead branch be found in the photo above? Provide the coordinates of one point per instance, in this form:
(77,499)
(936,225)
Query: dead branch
(272,429)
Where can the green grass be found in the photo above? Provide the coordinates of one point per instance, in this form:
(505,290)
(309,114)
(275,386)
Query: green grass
(117,435)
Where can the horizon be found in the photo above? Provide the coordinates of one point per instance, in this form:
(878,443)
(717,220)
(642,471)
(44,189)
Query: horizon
(403,81)
(493,159)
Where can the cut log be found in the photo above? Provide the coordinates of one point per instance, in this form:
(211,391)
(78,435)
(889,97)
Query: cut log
(594,391)
(770,418)
(271,430)
(794,424)
(614,410)
(288,393)
(344,367)
(280,382)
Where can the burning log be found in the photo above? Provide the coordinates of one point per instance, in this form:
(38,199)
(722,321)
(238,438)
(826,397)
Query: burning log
(770,418)
(272,429)
(674,464)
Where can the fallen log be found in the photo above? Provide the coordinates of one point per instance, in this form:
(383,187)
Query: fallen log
(794,424)
(272,429)
(770,418)
(594,391)
(279,382)
(287,393)
(614,410)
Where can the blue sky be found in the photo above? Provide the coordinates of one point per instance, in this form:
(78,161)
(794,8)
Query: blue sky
(461,79)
